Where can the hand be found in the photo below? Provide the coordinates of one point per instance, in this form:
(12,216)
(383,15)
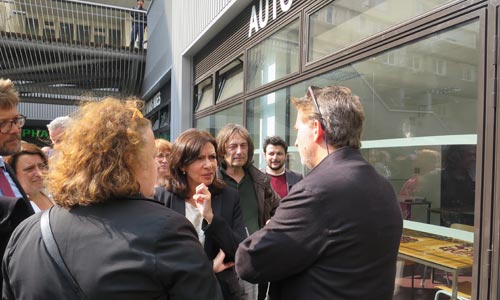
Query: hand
(219,264)
(203,200)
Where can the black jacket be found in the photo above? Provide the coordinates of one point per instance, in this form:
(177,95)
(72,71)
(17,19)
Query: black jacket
(121,249)
(225,232)
(335,236)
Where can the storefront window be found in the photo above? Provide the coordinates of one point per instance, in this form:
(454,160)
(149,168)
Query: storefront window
(421,122)
(213,123)
(230,80)
(275,57)
(343,22)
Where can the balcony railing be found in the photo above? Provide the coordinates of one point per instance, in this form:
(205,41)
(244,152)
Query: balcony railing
(56,49)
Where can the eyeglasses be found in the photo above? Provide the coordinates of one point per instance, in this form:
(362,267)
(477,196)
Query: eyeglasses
(310,91)
(137,114)
(311,94)
(6,126)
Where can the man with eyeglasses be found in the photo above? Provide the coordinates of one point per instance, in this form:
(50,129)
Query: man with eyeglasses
(258,200)
(336,234)
(14,203)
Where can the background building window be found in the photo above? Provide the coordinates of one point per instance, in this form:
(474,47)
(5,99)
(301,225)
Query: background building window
(354,20)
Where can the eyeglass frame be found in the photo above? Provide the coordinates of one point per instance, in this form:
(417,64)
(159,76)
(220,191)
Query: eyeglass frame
(19,120)
(321,119)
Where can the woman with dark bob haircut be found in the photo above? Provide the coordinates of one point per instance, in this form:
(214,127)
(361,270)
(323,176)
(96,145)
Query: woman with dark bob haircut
(214,210)
(29,165)
(115,240)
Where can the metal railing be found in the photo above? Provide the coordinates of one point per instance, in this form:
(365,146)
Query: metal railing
(58,50)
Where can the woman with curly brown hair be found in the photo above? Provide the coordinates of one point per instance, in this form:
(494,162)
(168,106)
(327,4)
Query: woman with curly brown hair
(116,242)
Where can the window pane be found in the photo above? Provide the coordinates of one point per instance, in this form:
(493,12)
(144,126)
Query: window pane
(271,115)
(344,22)
(420,131)
(213,123)
(204,95)
(230,80)
(275,57)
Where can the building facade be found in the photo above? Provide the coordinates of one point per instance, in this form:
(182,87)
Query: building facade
(426,72)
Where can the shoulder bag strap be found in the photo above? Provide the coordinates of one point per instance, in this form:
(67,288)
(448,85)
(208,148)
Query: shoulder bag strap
(51,246)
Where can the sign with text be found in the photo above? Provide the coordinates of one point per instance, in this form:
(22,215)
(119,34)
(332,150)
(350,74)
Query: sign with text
(260,20)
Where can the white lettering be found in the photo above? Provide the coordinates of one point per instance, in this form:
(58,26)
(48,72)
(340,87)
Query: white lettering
(274,10)
(260,22)
(153,103)
(263,22)
(253,22)
(285,7)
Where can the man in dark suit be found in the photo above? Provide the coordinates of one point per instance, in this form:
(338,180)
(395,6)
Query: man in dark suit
(275,154)
(14,206)
(336,235)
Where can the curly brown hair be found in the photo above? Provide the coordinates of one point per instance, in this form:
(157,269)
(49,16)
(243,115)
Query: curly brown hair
(100,150)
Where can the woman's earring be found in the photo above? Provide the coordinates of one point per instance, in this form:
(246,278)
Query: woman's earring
(183,172)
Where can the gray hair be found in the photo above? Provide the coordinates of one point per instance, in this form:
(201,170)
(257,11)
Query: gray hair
(59,122)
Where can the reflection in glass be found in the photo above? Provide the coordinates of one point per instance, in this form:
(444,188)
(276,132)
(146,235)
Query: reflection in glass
(275,57)
(343,22)
(271,115)
(421,98)
(213,123)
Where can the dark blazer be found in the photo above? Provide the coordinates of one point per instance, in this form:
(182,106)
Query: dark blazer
(12,211)
(9,170)
(227,229)
(335,236)
(121,249)
(225,232)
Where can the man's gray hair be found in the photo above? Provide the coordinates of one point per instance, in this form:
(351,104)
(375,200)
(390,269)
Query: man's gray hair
(59,122)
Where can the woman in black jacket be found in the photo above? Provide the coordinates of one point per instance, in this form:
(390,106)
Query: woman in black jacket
(213,208)
(115,240)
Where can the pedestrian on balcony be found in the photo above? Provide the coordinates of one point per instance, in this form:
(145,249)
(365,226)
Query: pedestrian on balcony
(139,24)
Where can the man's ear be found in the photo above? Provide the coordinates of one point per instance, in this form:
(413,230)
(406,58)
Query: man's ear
(318,132)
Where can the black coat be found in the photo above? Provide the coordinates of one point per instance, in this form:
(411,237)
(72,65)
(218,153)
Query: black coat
(121,249)
(12,212)
(335,236)
(225,232)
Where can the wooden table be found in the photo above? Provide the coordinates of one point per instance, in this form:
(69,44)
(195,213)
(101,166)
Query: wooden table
(429,251)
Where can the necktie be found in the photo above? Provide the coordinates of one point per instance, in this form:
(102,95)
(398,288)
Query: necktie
(4,185)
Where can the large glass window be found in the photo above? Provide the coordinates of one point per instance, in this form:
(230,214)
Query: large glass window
(421,120)
(343,22)
(420,133)
(275,57)
(213,123)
